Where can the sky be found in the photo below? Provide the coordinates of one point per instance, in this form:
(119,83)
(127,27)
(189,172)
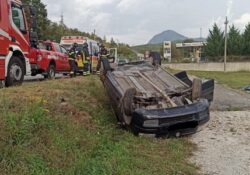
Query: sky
(135,22)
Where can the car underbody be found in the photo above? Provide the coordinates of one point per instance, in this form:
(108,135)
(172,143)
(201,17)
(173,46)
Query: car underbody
(151,100)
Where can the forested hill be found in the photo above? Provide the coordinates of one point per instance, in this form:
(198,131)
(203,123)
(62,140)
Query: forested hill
(50,30)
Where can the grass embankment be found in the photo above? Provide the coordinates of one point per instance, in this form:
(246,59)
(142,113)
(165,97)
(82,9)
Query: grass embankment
(236,80)
(67,127)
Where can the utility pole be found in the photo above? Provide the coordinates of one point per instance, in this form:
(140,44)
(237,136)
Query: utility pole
(62,20)
(200,34)
(200,51)
(225,52)
(94,34)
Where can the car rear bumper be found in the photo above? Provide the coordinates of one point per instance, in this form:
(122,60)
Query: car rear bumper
(173,121)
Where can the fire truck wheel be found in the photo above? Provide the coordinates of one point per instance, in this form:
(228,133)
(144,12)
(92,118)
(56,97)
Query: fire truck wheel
(15,72)
(51,73)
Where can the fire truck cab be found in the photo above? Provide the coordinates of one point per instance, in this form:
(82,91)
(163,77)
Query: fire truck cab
(16,41)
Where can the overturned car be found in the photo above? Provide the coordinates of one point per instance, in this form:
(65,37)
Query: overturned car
(151,100)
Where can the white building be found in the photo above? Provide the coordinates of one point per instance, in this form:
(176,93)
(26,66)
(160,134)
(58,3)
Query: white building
(167,53)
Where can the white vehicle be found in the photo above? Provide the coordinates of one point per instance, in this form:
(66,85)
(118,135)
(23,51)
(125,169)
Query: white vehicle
(68,41)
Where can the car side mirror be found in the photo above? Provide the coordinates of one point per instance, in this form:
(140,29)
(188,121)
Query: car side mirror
(33,23)
(33,11)
(33,39)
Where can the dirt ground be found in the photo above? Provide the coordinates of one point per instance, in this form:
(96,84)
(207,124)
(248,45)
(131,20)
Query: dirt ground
(224,143)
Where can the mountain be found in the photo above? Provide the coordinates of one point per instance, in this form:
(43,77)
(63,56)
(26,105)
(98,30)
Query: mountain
(168,35)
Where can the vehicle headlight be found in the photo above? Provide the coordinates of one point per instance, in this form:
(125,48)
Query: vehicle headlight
(151,123)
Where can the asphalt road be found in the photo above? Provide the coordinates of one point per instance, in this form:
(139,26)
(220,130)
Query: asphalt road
(227,99)
(38,78)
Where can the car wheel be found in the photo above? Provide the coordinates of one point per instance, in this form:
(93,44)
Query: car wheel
(2,84)
(51,73)
(15,72)
(134,130)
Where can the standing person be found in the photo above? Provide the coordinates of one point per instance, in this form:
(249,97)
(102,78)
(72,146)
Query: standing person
(155,59)
(102,54)
(86,59)
(72,59)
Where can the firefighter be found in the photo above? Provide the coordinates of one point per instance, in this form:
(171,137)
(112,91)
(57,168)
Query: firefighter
(72,59)
(86,60)
(102,54)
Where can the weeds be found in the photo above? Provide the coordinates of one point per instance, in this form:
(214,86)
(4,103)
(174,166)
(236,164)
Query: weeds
(42,134)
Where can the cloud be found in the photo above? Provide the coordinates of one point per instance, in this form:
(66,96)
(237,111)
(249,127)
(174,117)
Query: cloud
(133,38)
(130,6)
(242,21)
(96,2)
(229,7)
(136,21)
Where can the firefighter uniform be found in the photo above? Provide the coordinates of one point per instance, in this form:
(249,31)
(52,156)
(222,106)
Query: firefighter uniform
(86,60)
(72,60)
(103,54)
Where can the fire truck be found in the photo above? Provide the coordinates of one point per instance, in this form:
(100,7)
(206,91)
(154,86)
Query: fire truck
(68,41)
(18,41)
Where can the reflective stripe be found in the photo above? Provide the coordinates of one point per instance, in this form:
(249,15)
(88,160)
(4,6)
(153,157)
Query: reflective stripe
(4,34)
(2,58)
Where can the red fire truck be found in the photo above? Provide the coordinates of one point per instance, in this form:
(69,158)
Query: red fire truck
(17,41)
(50,58)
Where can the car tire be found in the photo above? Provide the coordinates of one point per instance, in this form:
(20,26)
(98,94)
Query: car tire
(51,73)
(134,130)
(15,72)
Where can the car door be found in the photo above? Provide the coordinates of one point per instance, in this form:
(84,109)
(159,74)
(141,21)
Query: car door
(60,57)
(65,60)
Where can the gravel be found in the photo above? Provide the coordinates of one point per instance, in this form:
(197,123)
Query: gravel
(224,143)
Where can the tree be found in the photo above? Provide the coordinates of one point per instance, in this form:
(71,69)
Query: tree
(246,40)
(189,40)
(41,17)
(48,30)
(215,42)
(234,42)
(112,42)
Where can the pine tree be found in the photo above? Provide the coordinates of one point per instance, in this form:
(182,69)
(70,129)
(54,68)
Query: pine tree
(112,42)
(215,42)
(246,40)
(234,42)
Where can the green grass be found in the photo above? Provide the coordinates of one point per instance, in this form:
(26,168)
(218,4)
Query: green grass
(236,80)
(67,127)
